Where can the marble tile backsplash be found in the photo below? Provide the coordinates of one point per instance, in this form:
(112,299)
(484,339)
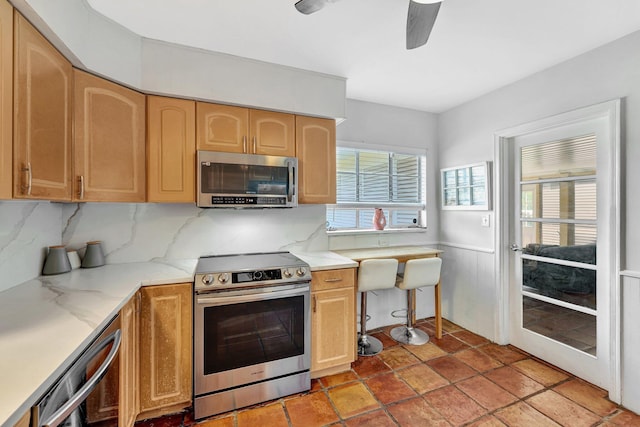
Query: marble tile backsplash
(145,232)
(27,228)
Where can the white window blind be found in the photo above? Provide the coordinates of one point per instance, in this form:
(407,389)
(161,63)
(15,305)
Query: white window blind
(368,179)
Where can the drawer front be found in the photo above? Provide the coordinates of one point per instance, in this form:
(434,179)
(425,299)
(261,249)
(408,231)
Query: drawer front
(333,279)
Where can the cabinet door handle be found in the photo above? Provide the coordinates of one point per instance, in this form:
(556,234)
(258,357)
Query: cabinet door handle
(335,279)
(27,188)
(81,187)
(314,303)
(244,144)
(255,145)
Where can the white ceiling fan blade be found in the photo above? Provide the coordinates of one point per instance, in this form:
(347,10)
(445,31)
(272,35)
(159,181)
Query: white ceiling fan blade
(420,22)
(310,6)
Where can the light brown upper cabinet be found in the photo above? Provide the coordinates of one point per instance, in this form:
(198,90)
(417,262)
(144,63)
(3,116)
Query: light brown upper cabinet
(316,152)
(243,130)
(171,149)
(6,99)
(42,117)
(109,152)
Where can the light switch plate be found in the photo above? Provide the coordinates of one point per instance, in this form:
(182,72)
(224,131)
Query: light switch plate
(485,221)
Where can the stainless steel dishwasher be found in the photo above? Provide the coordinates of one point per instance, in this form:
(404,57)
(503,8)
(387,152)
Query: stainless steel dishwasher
(65,403)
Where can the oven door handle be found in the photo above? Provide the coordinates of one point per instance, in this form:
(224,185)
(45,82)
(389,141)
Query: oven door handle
(253,296)
(65,410)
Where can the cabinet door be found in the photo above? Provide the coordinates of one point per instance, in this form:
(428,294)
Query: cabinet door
(42,120)
(171,149)
(6,98)
(222,128)
(128,403)
(165,347)
(109,156)
(316,152)
(272,133)
(333,328)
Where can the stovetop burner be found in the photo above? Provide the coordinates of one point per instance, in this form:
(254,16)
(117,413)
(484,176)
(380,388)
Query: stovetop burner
(249,270)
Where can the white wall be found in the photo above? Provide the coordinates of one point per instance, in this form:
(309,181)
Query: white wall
(383,125)
(99,45)
(466,135)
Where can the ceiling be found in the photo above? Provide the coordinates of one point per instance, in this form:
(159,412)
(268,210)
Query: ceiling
(476,46)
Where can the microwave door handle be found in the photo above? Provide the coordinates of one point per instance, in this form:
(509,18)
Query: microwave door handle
(291,186)
(76,400)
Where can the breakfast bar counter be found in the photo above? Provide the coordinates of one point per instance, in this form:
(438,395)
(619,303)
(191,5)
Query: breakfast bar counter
(401,253)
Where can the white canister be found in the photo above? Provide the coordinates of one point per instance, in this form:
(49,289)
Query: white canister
(74,259)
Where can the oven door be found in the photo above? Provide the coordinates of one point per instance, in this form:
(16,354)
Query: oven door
(247,336)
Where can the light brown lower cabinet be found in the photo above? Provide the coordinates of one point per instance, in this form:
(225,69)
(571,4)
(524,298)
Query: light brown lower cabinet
(165,344)
(128,386)
(333,321)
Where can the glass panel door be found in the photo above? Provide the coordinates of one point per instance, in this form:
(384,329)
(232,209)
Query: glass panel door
(558,233)
(559,297)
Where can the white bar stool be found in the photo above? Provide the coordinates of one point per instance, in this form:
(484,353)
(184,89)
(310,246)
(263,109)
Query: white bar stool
(418,273)
(373,275)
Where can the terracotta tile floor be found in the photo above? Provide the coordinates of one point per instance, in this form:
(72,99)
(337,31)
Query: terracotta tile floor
(459,380)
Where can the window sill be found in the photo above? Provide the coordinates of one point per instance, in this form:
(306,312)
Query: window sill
(371,231)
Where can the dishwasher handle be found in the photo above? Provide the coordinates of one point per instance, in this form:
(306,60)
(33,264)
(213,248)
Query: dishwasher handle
(76,400)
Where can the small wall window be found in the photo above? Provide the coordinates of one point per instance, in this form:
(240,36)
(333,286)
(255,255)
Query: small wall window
(466,187)
(369,179)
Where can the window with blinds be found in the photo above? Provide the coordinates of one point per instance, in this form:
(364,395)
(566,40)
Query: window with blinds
(368,179)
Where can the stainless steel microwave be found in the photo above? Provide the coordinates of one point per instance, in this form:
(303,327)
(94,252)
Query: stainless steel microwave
(233,180)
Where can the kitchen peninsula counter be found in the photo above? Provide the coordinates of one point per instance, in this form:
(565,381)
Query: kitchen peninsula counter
(46,322)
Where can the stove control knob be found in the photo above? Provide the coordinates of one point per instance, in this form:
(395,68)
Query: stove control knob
(207,279)
(301,271)
(286,273)
(223,277)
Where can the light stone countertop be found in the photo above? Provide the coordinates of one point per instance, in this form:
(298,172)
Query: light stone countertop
(45,323)
(325,260)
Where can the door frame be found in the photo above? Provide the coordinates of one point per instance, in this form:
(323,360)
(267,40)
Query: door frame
(503,170)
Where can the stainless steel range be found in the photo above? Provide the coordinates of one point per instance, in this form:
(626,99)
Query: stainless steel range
(251,330)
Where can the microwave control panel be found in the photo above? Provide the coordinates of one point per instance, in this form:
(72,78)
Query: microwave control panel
(248,200)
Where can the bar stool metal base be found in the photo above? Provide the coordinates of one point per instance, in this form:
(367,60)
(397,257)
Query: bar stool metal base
(410,336)
(369,346)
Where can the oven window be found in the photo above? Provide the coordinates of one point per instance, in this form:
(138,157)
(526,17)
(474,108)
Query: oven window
(246,334)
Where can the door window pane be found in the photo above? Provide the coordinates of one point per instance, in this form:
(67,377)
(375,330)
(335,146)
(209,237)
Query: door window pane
(569,284)
(559,159)
(561,324)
